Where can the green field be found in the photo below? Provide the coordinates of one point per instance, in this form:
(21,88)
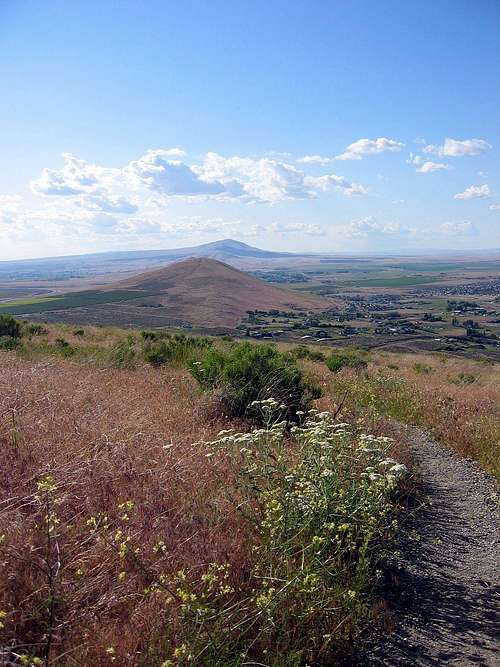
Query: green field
(75,300)
(400,281)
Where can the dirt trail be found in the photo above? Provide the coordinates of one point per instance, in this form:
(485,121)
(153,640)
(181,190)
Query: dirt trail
(447,603)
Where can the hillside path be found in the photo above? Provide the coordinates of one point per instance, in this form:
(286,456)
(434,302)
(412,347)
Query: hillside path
(447,603)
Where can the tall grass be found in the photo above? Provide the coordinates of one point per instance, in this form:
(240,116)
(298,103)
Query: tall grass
(125,543)
(463,414)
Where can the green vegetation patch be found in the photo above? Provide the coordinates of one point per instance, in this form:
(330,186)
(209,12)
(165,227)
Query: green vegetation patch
(247,373)
(74,300)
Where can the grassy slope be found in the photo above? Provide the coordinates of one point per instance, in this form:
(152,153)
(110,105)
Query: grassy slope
(109,435)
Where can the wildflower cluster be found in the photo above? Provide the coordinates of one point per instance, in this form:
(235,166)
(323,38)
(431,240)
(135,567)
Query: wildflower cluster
(320,497)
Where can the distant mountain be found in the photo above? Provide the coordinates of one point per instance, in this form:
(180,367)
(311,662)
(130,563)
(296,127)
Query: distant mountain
(207,292)
(59,268)
(225,249)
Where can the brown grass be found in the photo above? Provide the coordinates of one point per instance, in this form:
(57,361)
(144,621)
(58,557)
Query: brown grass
(465,417)
(105,436)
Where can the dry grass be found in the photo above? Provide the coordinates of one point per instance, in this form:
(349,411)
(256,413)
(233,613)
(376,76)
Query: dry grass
(456,399)
(108,435)
(105,436)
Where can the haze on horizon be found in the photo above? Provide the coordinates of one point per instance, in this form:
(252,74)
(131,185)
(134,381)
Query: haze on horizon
(333,127)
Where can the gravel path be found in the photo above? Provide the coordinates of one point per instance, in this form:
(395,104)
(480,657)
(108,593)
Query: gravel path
(447,601)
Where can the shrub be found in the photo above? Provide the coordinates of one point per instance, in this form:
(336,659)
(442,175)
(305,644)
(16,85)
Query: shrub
(9,342)
(248,373)
(79,332)
(10,327)
(347,359)
(178,350)
(422,369)
(64,347)
(464,379)
(34,329)
(148,335)
(123,353)
(304,352)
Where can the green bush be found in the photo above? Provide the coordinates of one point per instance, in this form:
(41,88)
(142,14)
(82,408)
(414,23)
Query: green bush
(422,369)
(179,350)
(64,347)
(247,373)
(304,352)
(123,354)
(9,342)
(10,327)
(149,335)
(79,332)
(464,379)
(34,329)
(347,359)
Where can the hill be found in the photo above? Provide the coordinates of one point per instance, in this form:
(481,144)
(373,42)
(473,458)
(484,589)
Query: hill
(208,292)
(200,291)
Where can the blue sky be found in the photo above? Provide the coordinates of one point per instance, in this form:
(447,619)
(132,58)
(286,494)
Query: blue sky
(340,126)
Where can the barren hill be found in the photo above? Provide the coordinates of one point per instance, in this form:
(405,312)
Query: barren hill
(208,292)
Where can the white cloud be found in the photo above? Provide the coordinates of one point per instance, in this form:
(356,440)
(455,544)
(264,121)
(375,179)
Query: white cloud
(369,226)
(429,166)
(155,175)
(9,209)
(456,148)
(474,192)
(356,150)
(425,166)
(170,177)
(314,159)
(338,182)
(309,229)
(458,229)
(175,152)
(261,180)
(75,178)
(494,207)
(107,204)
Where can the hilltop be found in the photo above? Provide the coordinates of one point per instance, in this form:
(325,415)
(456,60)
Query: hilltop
(208,292)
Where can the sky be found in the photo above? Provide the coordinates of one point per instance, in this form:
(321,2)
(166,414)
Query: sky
(325,125)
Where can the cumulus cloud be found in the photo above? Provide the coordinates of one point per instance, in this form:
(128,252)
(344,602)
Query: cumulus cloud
(314,159)
(156,174)
(262,180)
(356,150)
(429,166)
(474,192)
(75,178)
(425,166)
(9,209)
(458,229)
(156,171)
(307,228)
(175,152)
(369,226)
(456,148)
(338,182)
(107,204)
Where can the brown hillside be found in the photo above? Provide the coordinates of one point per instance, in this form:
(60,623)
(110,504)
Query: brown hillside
(208,292)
